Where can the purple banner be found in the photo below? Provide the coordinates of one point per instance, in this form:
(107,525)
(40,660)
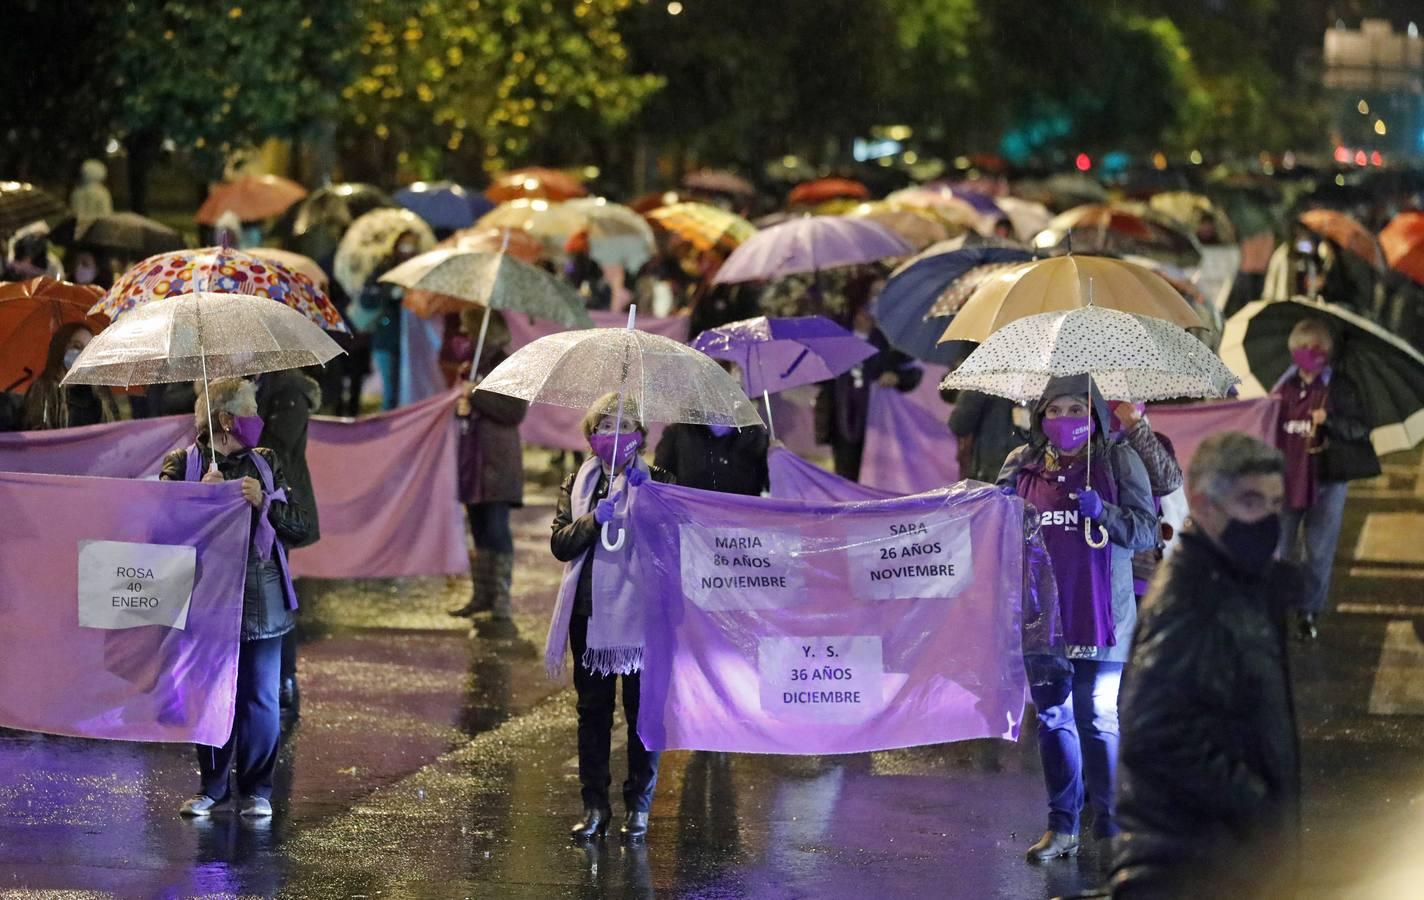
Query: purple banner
(793,478)
(114,450)
(114,679)
(806,627)
(908,445)
(1190,424)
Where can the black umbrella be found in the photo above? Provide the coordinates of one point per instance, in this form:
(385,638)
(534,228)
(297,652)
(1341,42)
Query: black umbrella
(22,203)
(1389,371)
(126,233)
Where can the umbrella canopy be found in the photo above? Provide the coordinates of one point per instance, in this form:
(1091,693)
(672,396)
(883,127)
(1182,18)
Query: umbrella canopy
(1403,243)
(250,198)
(1027,217)
(1345,231)
(948,208)
(22,203)
(810,244)
(336,206)
(913,290)
(367,245)
(1067,282)
(1187,209)
(822,189)
(714,181)
(1129,357)
(534,183)
(223,271)
(30,313)
(443,280)
(920,228)
(517,242)
(1102,228)
(198,336)
(1388,371)
(126,233)
(616,234)
(780,354)
(1062,191)
(296,262)
(704,226)
(444,205)
(664,380)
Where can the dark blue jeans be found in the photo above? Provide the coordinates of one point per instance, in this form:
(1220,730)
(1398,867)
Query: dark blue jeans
(1077,743)
(256,726)
(1317,531)
(489,526)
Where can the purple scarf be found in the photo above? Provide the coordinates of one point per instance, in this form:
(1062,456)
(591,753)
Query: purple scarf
(1084,575)
(615,630)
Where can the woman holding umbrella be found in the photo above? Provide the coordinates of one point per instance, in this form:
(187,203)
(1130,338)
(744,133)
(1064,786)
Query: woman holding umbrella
(1325,436)
(226,450)
(1077,698)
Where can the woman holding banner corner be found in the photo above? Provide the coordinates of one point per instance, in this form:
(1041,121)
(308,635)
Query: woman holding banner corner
(227,451)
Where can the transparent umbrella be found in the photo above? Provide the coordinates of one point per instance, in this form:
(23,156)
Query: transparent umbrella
(666,381)
(199,336)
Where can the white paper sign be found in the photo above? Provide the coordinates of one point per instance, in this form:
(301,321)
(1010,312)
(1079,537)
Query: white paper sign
(740,568)
(124,585)
(909,559)
(835,680)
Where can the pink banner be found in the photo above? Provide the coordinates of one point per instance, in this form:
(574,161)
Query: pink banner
(144,682)
(114,450)
(908,445)
(793,478)
(803,627)
(1190,424)
(556,426)
(385,488)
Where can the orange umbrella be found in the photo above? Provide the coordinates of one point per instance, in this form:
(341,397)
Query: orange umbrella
(822,189)
(30,313)
(1346,232)
(1403,242)
(250,198)
(517,242)
(535,183)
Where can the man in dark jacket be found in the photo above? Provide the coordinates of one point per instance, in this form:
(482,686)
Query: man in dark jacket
(286,401)
(715,458)
(1209,777)
(986,425)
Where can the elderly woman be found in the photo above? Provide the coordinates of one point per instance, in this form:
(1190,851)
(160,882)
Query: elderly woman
(597,615)
(49,404)
(268,598)
(1076,697)
(1324,432)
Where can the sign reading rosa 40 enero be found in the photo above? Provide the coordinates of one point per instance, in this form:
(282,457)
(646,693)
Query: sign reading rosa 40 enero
(125,585)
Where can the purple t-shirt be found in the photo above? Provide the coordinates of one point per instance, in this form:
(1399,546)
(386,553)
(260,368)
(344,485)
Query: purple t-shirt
(1296,436)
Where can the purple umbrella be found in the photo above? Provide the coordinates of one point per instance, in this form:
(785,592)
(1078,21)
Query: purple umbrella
(779,354)
(810,244)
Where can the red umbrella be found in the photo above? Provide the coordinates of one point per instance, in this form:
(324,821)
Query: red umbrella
(1346,232)
(823,189)
(250,198)
(534,183)
(30,313)
(1403,242)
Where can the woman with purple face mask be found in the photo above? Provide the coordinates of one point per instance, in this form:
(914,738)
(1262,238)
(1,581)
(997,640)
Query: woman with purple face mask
(598,617)
(227,450)
(716,457)
(1076,694)
(1324,433)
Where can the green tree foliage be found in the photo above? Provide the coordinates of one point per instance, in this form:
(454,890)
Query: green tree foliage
(488,76)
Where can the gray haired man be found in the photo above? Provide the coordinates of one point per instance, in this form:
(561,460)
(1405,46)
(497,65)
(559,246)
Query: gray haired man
(1208,778)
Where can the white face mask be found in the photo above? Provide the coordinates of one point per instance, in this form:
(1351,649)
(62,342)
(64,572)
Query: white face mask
(85,274)
(70,356)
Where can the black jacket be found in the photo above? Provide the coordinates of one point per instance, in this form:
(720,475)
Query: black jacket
(1208,772)
(573,537)
(732,464)
(988,422)
(286,401)
(1348,453)
(264,604)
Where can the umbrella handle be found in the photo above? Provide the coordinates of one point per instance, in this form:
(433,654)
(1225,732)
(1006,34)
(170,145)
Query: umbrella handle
(614,546)
(1088,525)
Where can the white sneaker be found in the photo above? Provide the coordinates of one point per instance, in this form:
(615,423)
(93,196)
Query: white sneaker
(202,806)
(256,808)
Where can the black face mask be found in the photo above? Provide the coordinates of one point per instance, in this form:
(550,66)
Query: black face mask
(1251,545)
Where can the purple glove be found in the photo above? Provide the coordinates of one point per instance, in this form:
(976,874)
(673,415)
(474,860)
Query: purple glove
(604,511)
(1090,504)
(1008,490)
(637,476)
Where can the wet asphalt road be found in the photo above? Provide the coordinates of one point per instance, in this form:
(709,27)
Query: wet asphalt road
(431,762)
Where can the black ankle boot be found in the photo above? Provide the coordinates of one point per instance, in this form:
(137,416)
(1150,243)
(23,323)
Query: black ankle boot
(635,827)
(594,824)
(289,699)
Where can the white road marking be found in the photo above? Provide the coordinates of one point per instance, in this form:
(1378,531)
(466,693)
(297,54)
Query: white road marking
(1399,678)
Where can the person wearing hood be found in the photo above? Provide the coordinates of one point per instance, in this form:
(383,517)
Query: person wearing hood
(91,199)
(1324,432)
(1077,703)
(716,457)
(50,404)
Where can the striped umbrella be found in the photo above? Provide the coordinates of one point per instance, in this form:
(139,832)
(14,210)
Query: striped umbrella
(704,226)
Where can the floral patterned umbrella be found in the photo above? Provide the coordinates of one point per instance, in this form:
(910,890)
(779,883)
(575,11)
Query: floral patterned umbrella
(218,270)
(368,242)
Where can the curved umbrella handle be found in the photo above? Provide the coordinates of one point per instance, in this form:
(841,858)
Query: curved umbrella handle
(1088,524)
(611,546)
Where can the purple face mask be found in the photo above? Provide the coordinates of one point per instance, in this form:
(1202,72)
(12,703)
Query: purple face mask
(1310,359)
(628,446)
(1068,433)
(247,429)
(720,430)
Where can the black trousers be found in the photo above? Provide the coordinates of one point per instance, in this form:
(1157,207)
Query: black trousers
(597,695)
(846,455)
(489,525)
